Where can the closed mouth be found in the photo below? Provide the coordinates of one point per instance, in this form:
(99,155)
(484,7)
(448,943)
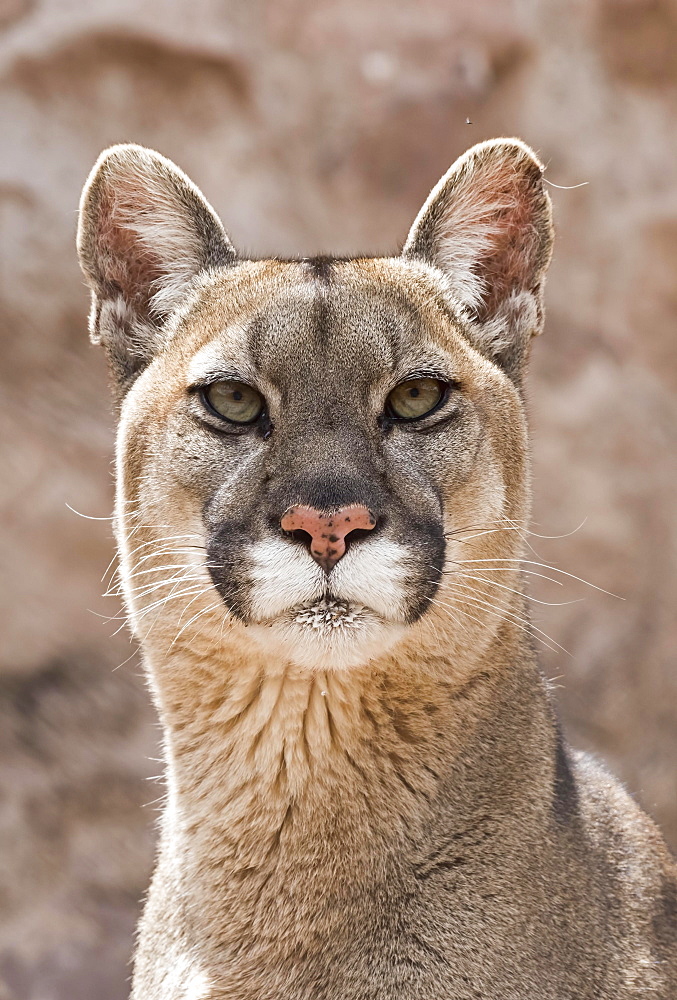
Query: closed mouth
(329,613)
(327,616)
(330,632)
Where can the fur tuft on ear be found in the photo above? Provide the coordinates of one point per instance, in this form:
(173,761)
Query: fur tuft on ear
(487,225)
(145,231)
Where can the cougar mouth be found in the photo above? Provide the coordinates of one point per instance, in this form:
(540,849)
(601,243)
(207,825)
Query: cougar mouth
(325,616)
(328,633)
(329,613)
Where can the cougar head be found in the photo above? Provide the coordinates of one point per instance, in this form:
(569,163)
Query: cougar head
(324,452)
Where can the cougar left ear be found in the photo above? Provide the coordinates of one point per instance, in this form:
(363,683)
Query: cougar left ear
(145,231)
(487,225)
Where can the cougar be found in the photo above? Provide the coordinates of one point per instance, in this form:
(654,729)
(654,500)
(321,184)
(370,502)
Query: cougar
(322,491)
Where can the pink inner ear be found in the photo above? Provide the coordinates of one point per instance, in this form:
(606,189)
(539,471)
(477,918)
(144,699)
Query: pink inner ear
(511,260)
(124,258)
(487,226)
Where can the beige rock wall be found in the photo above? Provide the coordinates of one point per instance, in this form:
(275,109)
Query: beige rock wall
(317,125)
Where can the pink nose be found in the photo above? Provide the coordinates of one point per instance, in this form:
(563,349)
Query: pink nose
(328,532)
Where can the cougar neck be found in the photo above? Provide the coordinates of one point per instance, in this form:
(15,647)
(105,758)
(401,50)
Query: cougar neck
(264,758)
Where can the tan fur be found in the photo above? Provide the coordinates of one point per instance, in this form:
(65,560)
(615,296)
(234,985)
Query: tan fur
(386,811)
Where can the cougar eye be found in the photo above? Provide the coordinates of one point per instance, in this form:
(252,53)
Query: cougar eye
(414,398)
(234,401)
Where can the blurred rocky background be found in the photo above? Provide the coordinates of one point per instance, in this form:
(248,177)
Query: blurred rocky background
(319,125)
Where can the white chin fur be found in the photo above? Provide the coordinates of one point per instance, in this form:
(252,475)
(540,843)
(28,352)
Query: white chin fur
(329,635)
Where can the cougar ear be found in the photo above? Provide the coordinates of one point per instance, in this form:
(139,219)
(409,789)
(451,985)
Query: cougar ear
(487,225)
(144,232)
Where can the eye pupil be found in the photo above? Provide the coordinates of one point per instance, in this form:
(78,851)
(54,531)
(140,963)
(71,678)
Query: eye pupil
(237,395)
(414,393)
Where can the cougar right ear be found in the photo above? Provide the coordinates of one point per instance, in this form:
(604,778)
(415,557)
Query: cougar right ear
(144,232)
(487,225)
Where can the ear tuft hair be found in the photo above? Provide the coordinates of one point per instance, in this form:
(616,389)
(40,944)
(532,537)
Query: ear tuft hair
(145,231)
(487,225)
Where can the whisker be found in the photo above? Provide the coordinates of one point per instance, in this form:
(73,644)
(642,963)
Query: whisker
(160,541)
(146,588)
(155,605)
(176,551)
(130,657)
(464,611)
(159,551)
(507,569)
(194,599)
(502,586)
(109,567)
(106,618)
(567,534)
(204,611)
(168,566)
(553,569)
(517,618)
(481,534)
(88,517)
(513,525)
(512,522)
(527,628)
(482,598)
(164,600)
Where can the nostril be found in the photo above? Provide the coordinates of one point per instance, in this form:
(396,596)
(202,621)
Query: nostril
(357,534)
(299,535)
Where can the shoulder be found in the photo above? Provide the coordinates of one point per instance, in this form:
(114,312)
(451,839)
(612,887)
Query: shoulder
(615,825)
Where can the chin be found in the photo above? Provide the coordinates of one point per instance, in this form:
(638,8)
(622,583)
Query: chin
(327,635)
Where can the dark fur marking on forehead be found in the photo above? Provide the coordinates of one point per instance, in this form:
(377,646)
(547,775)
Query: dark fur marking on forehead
(256,332)
(325,312)
(320,267)
(269,328)
(322,320)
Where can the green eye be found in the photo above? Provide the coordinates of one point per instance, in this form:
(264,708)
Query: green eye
(414,398)
(235,401)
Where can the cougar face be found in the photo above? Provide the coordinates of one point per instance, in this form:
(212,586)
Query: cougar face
(313,449)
